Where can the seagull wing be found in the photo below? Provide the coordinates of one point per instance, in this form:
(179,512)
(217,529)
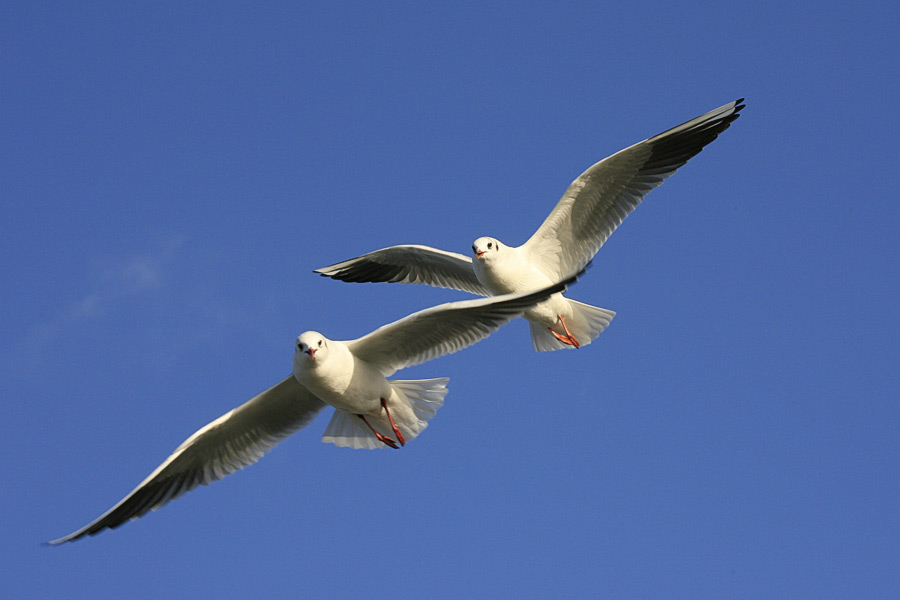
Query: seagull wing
(444,329)
(409,264)
(235,440)
(600,198)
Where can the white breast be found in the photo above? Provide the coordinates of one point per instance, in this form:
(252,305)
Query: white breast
(346,382)
(507,272)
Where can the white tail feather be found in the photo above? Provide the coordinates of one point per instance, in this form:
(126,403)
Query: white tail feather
(585,323)
(412,405)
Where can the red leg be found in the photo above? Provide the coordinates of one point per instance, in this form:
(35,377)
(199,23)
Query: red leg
(399,435)
(382,438)
(568,339)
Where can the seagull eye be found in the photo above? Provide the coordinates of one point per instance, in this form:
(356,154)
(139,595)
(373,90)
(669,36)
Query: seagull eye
(490,245)
(320,343)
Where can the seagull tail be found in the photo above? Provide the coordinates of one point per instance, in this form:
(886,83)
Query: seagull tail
(585,323)
(412,405)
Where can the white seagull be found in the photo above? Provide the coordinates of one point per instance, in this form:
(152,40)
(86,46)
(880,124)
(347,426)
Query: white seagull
(371,411)
(593,206)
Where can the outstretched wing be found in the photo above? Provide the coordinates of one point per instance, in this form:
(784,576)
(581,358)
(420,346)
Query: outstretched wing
(409,264)
(235,440)
(597,202)
(444,329)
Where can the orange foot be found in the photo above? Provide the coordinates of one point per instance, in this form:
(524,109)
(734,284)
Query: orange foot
(567,339)
(381,437)
(399,435)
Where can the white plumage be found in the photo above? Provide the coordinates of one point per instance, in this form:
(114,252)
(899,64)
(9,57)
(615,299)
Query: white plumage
(592,207)
(351,376)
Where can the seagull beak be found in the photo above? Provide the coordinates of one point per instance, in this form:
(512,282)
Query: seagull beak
(311,352)
(479,253)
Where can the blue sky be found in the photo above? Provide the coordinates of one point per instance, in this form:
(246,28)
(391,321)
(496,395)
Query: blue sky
(173,172)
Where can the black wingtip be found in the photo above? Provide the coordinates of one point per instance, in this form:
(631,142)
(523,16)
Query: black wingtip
(59,541)
(68,538)
(366,272)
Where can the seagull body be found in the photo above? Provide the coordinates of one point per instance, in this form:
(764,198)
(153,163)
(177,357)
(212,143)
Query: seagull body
(507,270)
(371,411)
(337,376)
(592,207)
(330,371)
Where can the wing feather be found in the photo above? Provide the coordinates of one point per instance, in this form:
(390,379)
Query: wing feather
(235,440)
(597,202)
(444,329)
(409,264)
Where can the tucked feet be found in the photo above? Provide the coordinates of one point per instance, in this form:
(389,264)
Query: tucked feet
(568,338)
(381,437)
(399,435)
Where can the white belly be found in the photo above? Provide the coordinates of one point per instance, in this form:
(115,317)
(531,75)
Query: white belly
(515,275)
(354,386)
(547,313)
(510,275)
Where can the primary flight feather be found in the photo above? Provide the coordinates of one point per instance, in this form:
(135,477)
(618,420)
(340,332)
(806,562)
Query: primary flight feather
(592,207)
(371,411)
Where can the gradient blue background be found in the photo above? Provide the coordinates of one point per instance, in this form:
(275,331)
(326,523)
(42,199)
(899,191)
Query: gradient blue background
(172,173)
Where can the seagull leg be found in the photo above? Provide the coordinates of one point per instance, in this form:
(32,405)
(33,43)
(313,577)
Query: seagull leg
(382,438)
(567,339)
(399,435)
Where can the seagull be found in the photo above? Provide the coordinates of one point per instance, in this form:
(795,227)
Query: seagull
(593,206)
(371,411)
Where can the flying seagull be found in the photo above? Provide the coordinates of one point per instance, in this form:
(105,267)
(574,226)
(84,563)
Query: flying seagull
(593,206)
(371,411)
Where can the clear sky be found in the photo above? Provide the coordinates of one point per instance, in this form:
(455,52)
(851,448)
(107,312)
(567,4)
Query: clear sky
(173,172)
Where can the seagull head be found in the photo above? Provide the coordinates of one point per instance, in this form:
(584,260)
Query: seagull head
(308,345)
(483,247)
